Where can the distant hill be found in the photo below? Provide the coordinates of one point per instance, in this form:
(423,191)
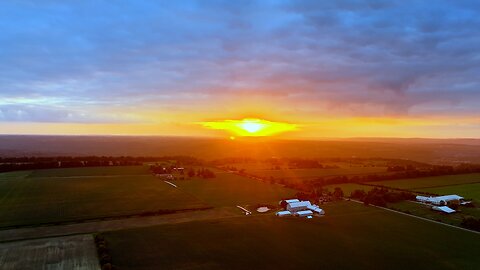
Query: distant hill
(425,150)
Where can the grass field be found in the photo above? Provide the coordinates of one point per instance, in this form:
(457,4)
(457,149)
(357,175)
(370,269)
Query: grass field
(229,190)
(428,182)
(307,174)
(92,171)
(425,211)
(16,174)
(468,191)
(350,236)
(70,252)
(85,194)
(349,188)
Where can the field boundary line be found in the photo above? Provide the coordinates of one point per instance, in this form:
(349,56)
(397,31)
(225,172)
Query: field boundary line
(88,176)
(464,184)
(104,226)
(421,218)
(171,184)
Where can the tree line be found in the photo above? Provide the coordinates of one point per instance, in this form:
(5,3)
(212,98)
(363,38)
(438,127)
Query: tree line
(8,164)
(190,172)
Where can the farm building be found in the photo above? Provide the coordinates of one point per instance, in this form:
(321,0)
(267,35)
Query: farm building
(295,206)
(304,213)
(298,206)
(283,213)
(317,210)
(440,200)
(292,200)
(444,209)
(166,176)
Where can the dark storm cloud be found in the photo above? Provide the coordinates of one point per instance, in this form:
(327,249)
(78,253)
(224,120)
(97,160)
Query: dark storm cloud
(365,57)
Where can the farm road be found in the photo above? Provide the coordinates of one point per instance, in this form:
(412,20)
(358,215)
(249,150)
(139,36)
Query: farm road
(119,224)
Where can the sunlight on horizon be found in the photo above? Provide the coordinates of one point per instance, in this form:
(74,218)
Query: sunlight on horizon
(250,127)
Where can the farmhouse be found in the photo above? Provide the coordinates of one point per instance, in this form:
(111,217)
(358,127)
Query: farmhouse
(440,200)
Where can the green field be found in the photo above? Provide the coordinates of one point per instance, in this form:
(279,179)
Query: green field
(468,191)
(427,182)
(350,236)
(16,174)
(307,174)
(74,194)
(92,171)
(349,188)
(229,190)
(425,211)
(85,193)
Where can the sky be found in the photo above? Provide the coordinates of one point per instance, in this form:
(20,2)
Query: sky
(332,68)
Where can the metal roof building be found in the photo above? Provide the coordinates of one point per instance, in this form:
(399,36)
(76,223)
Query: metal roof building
(283,213)
(304,213)
(444,209)
(298,206)
(292,200)
(439,200)
(314,208)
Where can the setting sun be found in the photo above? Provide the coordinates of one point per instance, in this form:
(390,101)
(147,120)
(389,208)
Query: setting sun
(250,127)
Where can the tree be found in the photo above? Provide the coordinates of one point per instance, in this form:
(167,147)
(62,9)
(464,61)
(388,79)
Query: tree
(191,173)
(471,223)
(338,193)
(358,194)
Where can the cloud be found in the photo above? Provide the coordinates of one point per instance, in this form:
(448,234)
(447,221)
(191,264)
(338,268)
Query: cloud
(370,58)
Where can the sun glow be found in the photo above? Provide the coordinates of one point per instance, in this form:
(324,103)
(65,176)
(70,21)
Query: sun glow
(251,127)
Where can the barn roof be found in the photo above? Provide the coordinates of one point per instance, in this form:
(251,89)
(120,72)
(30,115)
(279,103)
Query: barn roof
(283,213)
(299,204)
(444,209)
(305,212)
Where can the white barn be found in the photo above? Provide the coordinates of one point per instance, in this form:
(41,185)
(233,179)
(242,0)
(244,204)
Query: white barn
(298,206)
(301,208)
(439,200)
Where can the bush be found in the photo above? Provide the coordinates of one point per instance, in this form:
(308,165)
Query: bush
(358,194)
(103,255)
(471,223)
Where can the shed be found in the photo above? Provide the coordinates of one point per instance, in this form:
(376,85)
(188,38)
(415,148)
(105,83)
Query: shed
(304,213)
(444,209)
(316,209)
(283,213)
(292,200)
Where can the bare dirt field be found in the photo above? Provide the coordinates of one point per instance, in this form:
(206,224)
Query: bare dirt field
(70,252)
